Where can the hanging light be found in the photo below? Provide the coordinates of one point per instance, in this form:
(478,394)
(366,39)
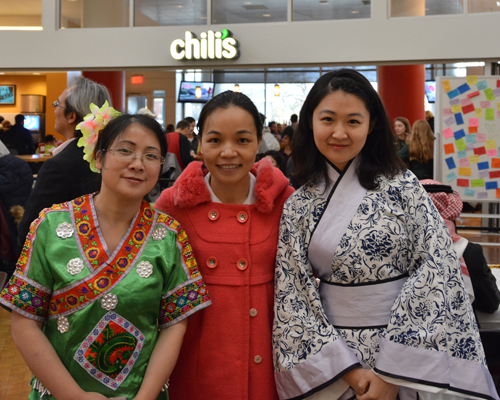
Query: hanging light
(236,88)
(197,92)
(276,90)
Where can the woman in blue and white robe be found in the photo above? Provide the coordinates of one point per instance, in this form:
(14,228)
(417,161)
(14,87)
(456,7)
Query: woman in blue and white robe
(390,315)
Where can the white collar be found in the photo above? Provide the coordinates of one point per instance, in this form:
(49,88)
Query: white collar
(62,146)
(251,198)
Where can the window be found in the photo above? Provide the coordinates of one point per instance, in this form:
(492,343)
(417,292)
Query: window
(306,10)
(94,14)
(405,8)
(240,12)
(19,15)
(170,12)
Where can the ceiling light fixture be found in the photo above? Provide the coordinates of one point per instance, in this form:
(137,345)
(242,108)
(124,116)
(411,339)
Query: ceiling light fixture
(266,15)
(247,3)
(323,2)
(197,92)
(21,28)
(179,6)
(277,90)
(354,12)
(236,88)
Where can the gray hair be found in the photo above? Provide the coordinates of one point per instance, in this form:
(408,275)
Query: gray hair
(84,93)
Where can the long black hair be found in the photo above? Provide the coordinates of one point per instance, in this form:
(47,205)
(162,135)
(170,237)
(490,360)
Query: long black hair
(378,156)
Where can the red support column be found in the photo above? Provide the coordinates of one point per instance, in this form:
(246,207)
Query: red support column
(114,81)
(402,89)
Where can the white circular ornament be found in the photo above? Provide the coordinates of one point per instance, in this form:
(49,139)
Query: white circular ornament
(64,230)
(144,269)
(160,233)
(109,302)
(62,324)
(75,266)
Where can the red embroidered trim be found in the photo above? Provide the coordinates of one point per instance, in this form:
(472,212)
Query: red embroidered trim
(93,286)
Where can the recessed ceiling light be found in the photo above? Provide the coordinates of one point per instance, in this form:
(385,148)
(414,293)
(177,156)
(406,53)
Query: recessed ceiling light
(179,6)
(21,28)
(354,12)
(247,3)
(266,15)
(203,17)
(36,73)
(323,2)
(2,73)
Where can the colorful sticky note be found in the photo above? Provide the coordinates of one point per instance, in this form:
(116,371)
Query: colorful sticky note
(492,153)
(454,102)
(489,94)
(496,92)
(490,144)
(449,148)
(477,182)
(447,111)
(470,139)
(482,195)
(494,174)
(461,146)
(463,182)
(498,190)
(491,185)
(479,112)
(489,114)
(451,176)
(470,146)
(483,165)
(482,85)
(447,133)
(498,83)
(483,174)
(459,134)
(454,93)
(473,121)
(473,129)
(461,154)
(468,108)
(479,151)
(498,106)
(473,94)
(485,104)
(466,101)
(456,109)
(446,85)
(474,159)
(449,121)
(465,171)
(481,137)
(472,79)
(464,162)
(469,192)
(495,163)
(450,162)
(459,119)
(463,88)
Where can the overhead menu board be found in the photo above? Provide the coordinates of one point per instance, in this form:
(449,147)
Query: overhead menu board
(467,129)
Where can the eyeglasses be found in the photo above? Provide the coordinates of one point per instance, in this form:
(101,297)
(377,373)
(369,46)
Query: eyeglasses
(127,155)
(56,104)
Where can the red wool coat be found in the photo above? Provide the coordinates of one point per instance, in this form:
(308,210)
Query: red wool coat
(227,352)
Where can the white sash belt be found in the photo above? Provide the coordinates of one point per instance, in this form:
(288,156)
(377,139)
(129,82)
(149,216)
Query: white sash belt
(360,306)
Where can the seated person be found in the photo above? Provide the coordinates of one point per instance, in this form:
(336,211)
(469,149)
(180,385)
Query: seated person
(50,143)
(449,205)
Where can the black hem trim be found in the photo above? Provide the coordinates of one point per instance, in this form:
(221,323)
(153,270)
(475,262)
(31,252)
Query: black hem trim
(328,383)
(396,278)
(361,327)
(342,173)
(439,385)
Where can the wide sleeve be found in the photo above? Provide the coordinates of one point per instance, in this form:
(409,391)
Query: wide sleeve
(432,341)
(29,290)
(309,355)
(184,291)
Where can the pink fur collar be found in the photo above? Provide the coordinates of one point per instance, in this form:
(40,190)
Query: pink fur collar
(190,189)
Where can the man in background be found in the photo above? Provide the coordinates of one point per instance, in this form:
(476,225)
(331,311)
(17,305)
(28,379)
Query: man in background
(66,175)
(179,145)
(294,120)
(19,138)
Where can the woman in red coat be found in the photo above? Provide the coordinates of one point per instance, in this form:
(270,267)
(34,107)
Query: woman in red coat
(231,212)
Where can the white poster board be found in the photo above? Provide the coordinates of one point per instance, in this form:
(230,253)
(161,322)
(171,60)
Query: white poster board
(467,129)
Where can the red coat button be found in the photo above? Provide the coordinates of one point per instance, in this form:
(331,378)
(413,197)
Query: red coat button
(242,217)
(257,359)
(212,262)
(213,215)
(253,312)
(242,264)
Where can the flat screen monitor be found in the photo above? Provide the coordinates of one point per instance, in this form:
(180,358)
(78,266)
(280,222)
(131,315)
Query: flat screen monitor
(430,91)
(195,92)
(32,122)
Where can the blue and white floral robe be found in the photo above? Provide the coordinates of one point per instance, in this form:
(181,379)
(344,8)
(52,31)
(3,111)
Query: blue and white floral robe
(391,296)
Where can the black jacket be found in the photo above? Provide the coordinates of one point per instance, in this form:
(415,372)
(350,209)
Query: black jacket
(61,178)
(20,139)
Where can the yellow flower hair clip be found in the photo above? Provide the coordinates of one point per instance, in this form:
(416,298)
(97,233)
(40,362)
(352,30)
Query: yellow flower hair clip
(91,126)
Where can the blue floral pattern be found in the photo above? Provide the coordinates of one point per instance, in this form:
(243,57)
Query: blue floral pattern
(396,230)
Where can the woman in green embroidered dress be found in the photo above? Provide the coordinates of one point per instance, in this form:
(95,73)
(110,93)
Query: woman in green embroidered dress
(99,275)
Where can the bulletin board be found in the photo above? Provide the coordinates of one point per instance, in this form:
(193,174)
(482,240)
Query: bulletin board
(467,129)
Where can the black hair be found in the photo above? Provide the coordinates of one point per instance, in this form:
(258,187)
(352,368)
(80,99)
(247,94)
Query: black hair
(170,128)
(279,158)
(270,123)
(118,125)
(288,131)
(294,118)
(377,157)
(225,100)
(182,124)
(19,118)
(49,138)
(190,119)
